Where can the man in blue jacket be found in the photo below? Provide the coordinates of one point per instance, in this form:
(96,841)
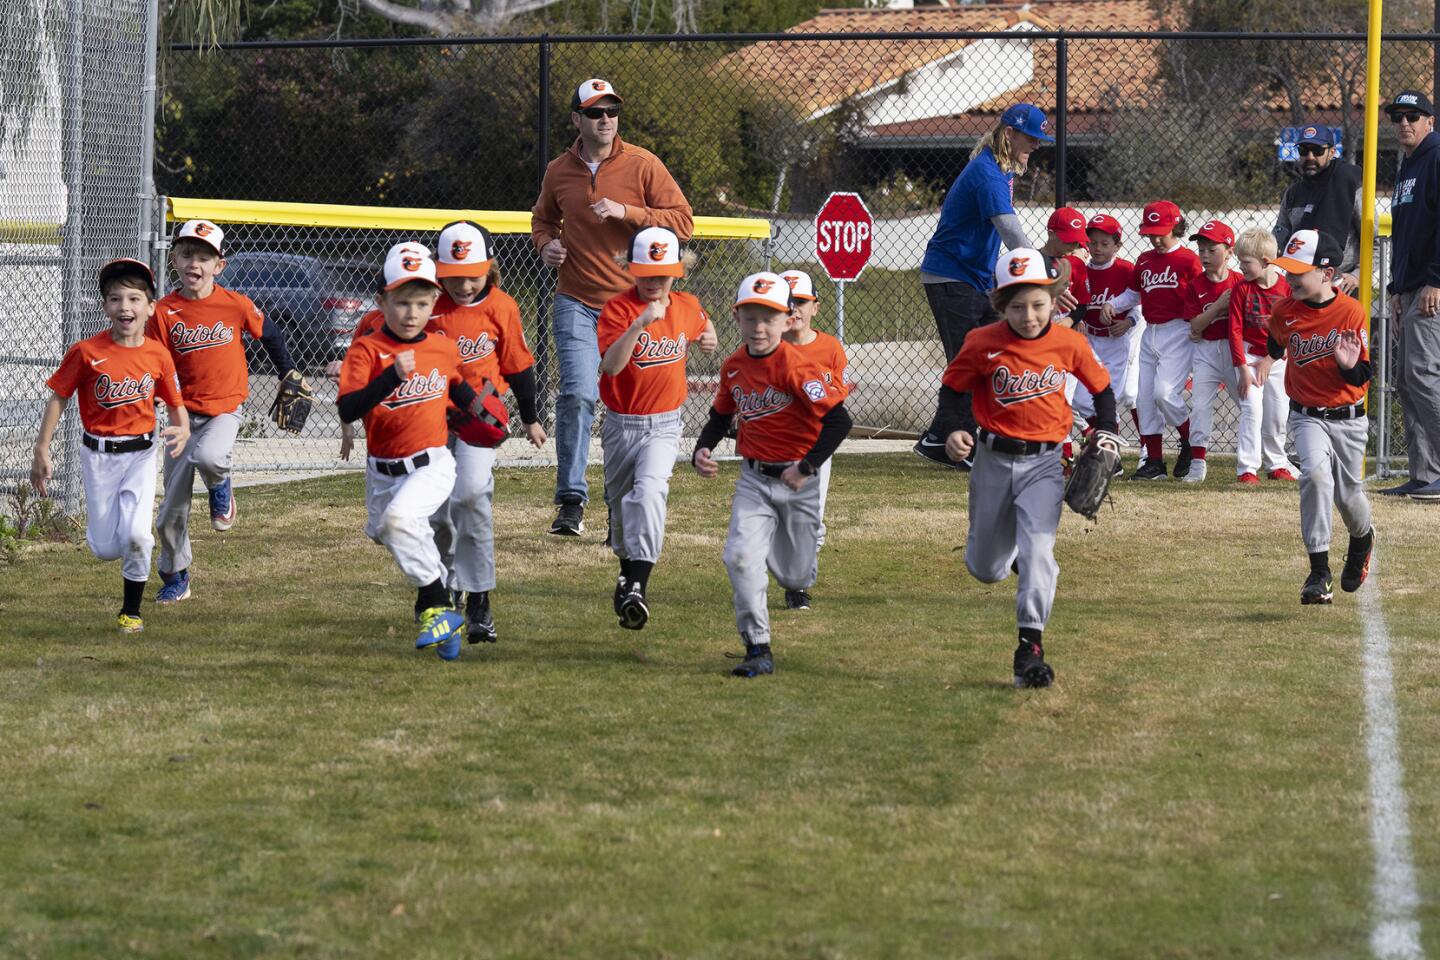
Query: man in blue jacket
(1415,290)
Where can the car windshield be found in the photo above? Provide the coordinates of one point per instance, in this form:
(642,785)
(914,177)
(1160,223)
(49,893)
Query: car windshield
(349,278)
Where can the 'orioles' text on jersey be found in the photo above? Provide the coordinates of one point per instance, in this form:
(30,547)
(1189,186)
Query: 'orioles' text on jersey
(206,341)
(1202,292)
(1018,385)
(1309,334)
(412,417)
(487,334)
(1161,279)
(1248,322)
(117,385)
(828,354)
(1103,284)
(780,399)
(654,379)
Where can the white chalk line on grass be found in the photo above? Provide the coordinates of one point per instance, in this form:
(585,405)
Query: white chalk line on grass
(1396,935)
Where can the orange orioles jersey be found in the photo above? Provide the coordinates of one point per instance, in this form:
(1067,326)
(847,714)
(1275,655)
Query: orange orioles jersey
(117,385)
(654,379)
(412,417)
(1308,335)
(1018,385)
(829,354)
(487,334)
(204,337)
(780,399)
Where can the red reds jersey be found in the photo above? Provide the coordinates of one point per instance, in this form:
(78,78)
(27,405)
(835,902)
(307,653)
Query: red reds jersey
(1309,335)
(828,354)
(487,334)
(1079,286)
(204,337)
(1018,385)
(654,379)
(1201,293)
(412,417)
(780,397)
(1161,279)
(1248,322)
(1103,285)
(117,385)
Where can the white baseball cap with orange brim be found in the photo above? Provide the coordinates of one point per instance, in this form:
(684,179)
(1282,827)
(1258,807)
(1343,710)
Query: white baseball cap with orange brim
(1024,266)
(801,286)
(655,252)
(466,250)
(592,92)
(206,232)
(1308,250)
(409,262)
(766,289)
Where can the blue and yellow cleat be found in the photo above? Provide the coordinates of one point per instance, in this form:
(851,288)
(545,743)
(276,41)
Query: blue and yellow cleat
(443,629)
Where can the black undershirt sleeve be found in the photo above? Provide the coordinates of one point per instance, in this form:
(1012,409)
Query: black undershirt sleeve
(272,338)
(357,403)
(1358,375)
(462,395)
(712,432)
(1274,348)
(834,428)
(523,383)
(947,413)
(1105,411)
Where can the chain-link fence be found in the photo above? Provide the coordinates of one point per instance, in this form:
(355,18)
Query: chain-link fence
(75,145)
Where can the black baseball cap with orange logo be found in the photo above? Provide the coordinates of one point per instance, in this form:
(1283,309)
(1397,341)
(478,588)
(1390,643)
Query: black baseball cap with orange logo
(127,267)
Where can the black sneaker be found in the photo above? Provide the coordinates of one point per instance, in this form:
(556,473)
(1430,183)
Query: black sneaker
(757,662)
(934,451)
(1357,562)
(1404,490)
(569,520)
(622,587)
(1319,588)
(797,600)
(1031,670)
(633,610)
(1183,461)
(479,622)
(1150,470)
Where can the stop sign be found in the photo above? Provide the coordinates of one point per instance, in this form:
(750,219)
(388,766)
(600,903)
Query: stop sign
(843,232)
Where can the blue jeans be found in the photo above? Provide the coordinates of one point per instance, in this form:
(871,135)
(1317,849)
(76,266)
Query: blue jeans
(579,352)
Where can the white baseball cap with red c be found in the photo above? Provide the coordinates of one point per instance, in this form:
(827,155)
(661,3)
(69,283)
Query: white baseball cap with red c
(655,252)
(765,288)
(801,286)
(1023,266)
(466,250)
(202,230)
(407,262)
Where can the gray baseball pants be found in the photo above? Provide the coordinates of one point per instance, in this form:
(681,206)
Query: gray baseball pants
(1014,513)
(1332,467)
(1417,375)
(640,452)
(773,530)
(464,526)
(209,450)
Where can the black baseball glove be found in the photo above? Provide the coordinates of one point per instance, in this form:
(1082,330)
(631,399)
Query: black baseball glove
(1089,484)
(292,402)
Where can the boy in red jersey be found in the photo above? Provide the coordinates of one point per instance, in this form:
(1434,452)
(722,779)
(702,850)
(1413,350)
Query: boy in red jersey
(1016,370)
(1117,344)
(1264,407)
(401,380)
(645,336)
(1207,302)
(791,421)
(820,348)
(1158,287)
(205,325)
(484,323)
(1321,336)
(119,374)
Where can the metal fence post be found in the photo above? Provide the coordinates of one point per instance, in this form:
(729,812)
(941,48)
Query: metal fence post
(1062,96)
(547,275)
(72,248)
(145,235)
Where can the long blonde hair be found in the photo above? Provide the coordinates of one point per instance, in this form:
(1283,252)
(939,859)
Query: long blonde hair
(999,145)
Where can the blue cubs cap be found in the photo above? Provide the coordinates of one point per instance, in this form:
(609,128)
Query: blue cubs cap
(1028,119)
(1318,134)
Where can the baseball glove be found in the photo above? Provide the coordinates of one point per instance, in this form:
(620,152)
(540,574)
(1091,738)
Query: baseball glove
(292,402)
(1089,484)
(490,427)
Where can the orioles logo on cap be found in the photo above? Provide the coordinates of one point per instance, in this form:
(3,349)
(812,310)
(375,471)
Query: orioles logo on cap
(460,249)
(598,85)
(1018,265)
(203,229)
(762,285)
(410,261)
(657,250)
(793,281)
(1294,245)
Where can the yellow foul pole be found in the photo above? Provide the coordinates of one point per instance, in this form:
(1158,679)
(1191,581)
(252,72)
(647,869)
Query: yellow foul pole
(1372,133)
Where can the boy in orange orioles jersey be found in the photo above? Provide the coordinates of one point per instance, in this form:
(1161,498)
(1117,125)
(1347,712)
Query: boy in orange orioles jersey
(1320,335)
(1016,371)
(401,380)
(202,323)
(827,351)
(791,421)
(644,336)
(118,373)
(484,323)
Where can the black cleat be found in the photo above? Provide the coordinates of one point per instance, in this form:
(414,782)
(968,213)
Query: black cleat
(934,451)
(1183,461)
(1150,470)
(622,587)
(569,520)
(633,611)
(1031,670)
(479,622)
(797,600)
(1319,588)
(1357,562)
(1404,490)
(757,662)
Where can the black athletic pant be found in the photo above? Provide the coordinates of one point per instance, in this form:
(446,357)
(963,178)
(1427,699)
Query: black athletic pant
(958,309)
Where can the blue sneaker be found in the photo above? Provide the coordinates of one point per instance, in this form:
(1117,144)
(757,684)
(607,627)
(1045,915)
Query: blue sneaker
(222,507)
(1430,492)
(443,629)
(176,587)
(1404,490)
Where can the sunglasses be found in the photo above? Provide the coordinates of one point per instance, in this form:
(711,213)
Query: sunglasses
(1412,116)
(595,113)
(1312,149)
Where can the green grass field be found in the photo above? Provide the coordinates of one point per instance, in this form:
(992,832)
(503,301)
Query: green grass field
(270,770)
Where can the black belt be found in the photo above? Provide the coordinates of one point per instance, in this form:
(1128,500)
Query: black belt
(1352,412)
(769,469)
(398,468)
(128,445)
(1016,448)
